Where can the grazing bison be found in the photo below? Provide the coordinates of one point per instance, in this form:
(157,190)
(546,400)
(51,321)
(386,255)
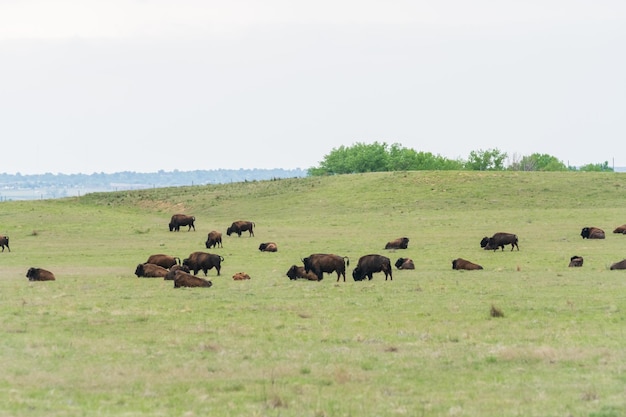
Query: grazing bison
(369,264)
(268,247)
(185,279)
(214,239)
(39,274)
(576,261)
(4,241)
(296,272)
(241,226)
(619,265)
(166,261)
(182,220)
(405,263)
(499,240)
(620,229)
(399,243)
(318,263)
(150,271)
(240,276)
(172,271)
(203,261)
(592,233)
(460,263)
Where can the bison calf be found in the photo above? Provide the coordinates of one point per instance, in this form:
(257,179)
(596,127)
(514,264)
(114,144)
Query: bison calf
(460,263)
(296,272)
(575,261)
(592,233)
(240,276)
(185,279)
(39,274)
(405,263)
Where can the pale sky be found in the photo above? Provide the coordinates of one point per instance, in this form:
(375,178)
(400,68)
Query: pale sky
(93,86)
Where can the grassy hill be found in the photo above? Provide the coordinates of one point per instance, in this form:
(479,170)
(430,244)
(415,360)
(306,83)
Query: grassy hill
(100,341)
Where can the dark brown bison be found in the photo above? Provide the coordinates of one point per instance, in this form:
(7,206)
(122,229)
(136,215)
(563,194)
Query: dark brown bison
(214,239)
(619,265)
(182,220)
(369,264)
(576,261)
(241,226)
(296,272)
(185,279)
(150,271)
(460,263)
(399,243)
(4,241)
(405,263)
(592,233)
(268,247)
(241,276)
(166,261)
(203,261)
(172,271)
(499,240)
(318,263)
(39,274)
(620,229)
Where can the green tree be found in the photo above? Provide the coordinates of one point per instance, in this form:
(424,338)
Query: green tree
(489,160)
(538,162)
(603,167)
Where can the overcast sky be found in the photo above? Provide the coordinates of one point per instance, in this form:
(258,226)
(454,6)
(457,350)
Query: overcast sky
(107,86)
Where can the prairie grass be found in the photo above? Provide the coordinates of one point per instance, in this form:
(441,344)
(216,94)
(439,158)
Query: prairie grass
(101,342)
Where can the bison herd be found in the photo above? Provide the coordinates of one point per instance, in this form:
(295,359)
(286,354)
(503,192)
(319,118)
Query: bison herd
(184,273)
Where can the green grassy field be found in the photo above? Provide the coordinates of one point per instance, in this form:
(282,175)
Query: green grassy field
(101,342)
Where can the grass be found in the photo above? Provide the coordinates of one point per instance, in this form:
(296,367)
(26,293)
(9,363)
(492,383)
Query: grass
(101,342)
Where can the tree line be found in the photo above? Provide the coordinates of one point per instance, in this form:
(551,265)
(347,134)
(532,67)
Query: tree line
(381,157)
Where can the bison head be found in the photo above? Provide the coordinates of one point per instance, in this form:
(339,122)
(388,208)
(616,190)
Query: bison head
(399,262)
(292,273)
(357,274)
(262,246)
(139,271)
(484,242)
(229,231)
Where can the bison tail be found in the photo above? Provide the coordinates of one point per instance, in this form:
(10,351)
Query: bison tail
(347,260)
(177,259)
(221,258)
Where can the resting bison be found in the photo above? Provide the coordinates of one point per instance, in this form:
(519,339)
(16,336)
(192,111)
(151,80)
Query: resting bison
(165,261)
(203,261)
(4,241)
(268,247)
(405,263)
(399,243)
(592,233)
(182,220)
(620,229)
(241,226)
(318,263)
(619,265)
(185,279)
(240,276)
(39,274)
(499,240)
(172,271)
(369,264)
(576,261)
(214,239)
(150,271)
(296,272)
(460,263)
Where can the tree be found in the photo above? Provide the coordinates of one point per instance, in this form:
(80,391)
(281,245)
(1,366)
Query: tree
(489,160)
(538,162)
(604,167)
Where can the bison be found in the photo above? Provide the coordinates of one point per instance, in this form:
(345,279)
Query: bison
(619,265)
(240,276)
(369,264)
(4,241)
(203,261)
(166,261)
(399,243)
(405,263)
(39,274)
(172,271)
(499,240)
(182,220)
(575,261)
(185,279)
(319,263)
(150,271)
(241,226)
(460,263)
(214,239)
(592,233)
(296,272)
(268,247)
(620,229)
